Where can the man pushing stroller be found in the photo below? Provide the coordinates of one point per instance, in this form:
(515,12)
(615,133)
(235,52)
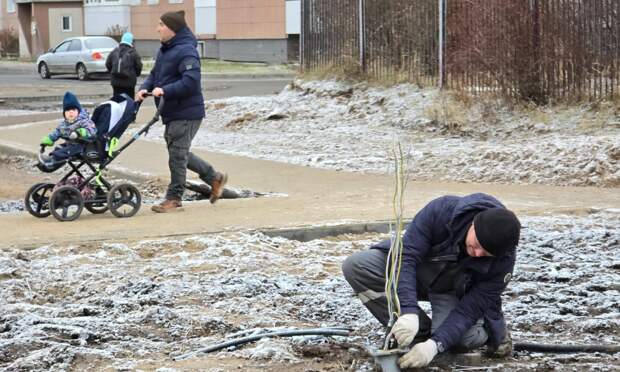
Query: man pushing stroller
(75,124)
(176,78)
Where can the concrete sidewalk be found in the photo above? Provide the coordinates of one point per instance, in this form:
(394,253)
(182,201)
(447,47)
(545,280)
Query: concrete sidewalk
(313,197)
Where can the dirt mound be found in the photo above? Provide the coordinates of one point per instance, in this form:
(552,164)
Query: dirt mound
(354,126)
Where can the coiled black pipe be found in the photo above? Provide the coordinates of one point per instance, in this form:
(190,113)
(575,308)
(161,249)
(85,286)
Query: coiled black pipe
(344,331)
(336,331)
(550,348)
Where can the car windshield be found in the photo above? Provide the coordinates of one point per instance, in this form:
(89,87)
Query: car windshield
(100,42)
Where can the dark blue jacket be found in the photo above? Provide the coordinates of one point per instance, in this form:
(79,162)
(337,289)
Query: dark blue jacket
(177,72)
(434,239)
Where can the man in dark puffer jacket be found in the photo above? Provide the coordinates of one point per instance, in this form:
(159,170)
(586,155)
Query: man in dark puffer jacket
(176,77)
(459,254)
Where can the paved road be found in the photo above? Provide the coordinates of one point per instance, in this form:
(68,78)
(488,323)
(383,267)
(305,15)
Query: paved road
(15,83)
(19,83)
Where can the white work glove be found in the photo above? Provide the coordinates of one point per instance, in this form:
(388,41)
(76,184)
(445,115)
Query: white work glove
(405,329)
(420,355)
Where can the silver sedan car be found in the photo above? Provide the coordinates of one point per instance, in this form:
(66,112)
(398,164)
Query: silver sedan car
(77,55)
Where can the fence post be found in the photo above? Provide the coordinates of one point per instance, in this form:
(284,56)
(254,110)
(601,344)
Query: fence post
(442,36)
(302,36)
(362,39)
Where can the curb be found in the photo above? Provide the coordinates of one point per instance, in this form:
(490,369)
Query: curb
(11,150)
(317,232)
(249,76)
(19,68)
(305,234)
(17,99)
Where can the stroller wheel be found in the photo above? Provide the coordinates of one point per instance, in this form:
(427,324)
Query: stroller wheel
(124,200)
(66,203)
(98,204)
(38,198)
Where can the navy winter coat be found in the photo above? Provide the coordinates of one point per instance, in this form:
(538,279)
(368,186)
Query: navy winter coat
(177,72)
(436,237)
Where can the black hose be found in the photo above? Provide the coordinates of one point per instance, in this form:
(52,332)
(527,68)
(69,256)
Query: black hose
(284,333)
(550,348)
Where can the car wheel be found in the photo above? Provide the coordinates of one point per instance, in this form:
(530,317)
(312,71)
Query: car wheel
(44,71)
(82,73)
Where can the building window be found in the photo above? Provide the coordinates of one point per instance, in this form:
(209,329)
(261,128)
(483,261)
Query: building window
(10,6)
(175,1)
(66,24)
(152,2)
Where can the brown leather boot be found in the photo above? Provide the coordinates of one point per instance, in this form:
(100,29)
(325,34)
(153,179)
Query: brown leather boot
(217,186)
(168,205)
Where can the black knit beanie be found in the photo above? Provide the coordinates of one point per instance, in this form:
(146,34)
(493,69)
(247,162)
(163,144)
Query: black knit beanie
(174,20)
(497,230)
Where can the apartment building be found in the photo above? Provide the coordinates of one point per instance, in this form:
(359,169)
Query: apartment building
(8,14)
(256,30)
(42,24)
(9,26)
(235,30)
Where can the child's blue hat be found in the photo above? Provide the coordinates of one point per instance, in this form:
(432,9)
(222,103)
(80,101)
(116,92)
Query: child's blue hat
(127,38)
(70,101)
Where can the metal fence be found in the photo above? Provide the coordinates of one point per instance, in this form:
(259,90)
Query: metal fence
(330,33)
(400,39)
(530,49)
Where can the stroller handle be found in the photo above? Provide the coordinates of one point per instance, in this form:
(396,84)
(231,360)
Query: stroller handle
(41,157)
(150,94)
(161,104)
(40,154)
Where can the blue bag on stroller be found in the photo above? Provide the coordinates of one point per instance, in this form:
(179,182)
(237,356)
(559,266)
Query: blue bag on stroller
(112,119)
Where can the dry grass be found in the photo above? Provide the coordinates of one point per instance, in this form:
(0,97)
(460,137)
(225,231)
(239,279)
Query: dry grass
(599,115)
(238,122)
(538,114)
(349,70)
(589,115)
(449,113)
(215,106)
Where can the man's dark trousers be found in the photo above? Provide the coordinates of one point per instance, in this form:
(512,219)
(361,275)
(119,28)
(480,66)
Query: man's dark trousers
(179,135)
(365,272)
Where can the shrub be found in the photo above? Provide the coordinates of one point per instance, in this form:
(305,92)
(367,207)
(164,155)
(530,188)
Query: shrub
(9,42)
(116,32)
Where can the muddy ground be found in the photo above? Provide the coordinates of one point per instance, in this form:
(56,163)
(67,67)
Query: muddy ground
(17,175)
(134,305)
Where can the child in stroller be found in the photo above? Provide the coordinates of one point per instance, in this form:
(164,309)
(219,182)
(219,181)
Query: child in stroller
(75,124)
(90,146)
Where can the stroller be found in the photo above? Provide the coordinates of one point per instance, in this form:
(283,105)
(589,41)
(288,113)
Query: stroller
(83,186)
